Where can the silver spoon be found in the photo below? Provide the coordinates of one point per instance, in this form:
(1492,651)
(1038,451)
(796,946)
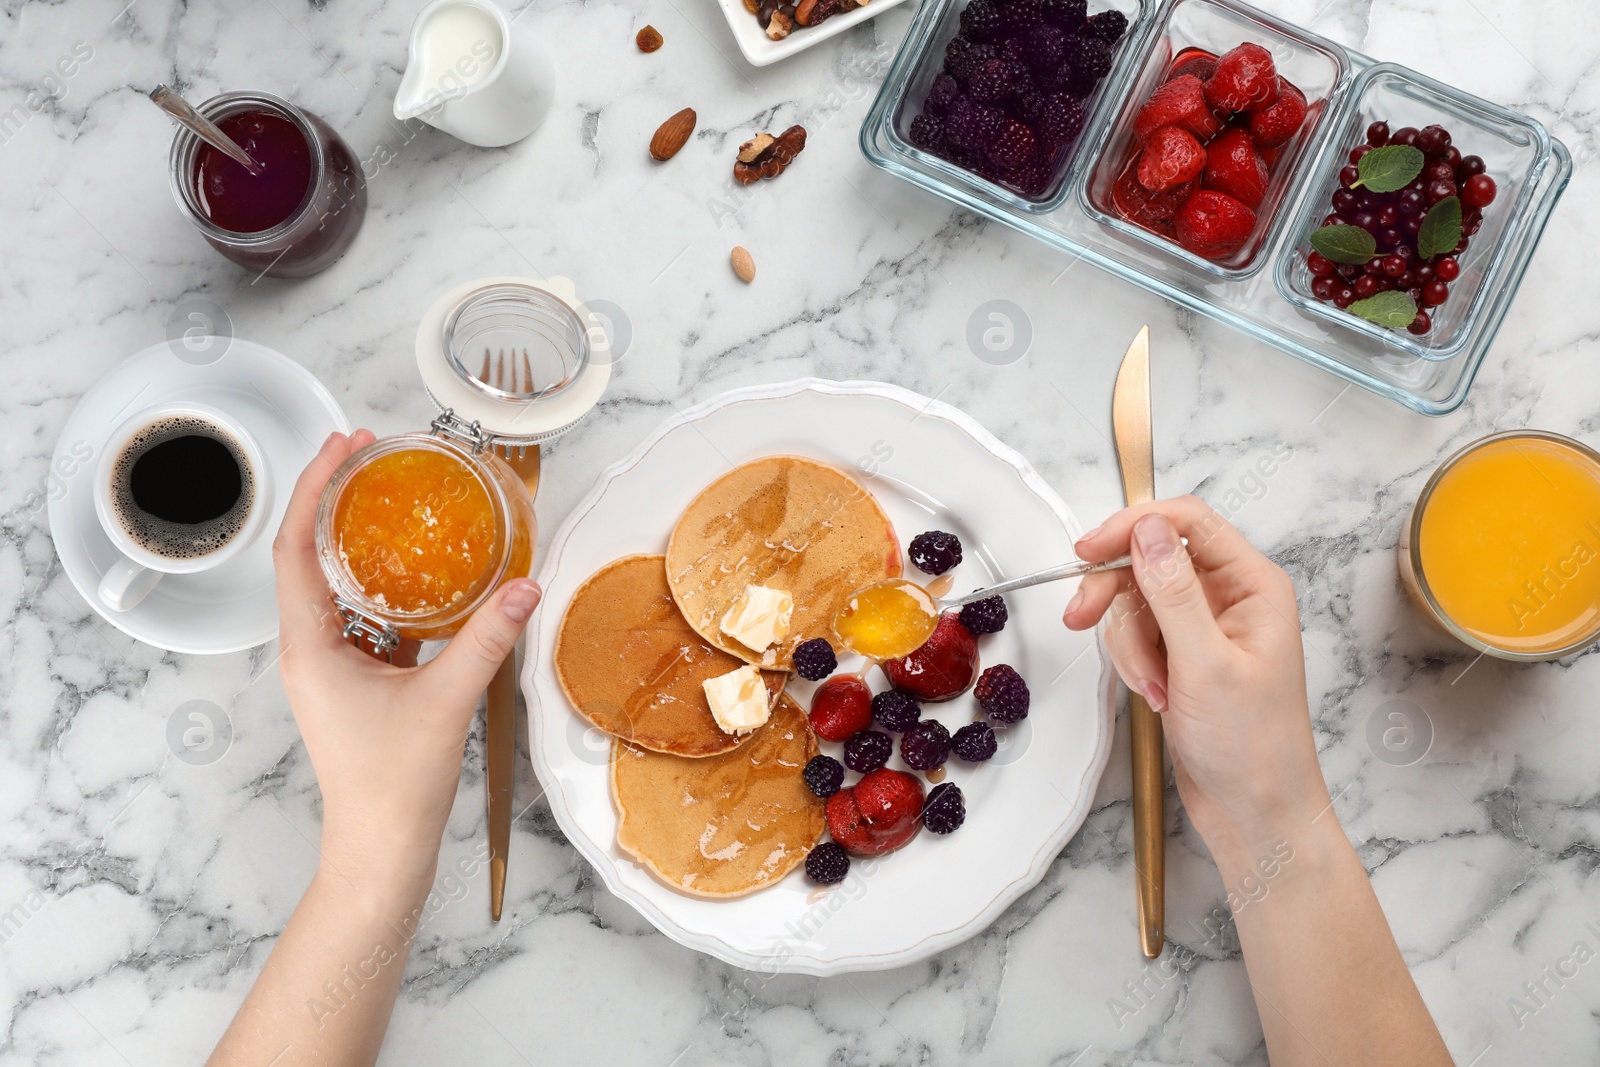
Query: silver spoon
(202,127)
(1075,569)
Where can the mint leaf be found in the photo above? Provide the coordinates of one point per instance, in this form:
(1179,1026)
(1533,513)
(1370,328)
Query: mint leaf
(1392,310)
(1441,228)
(1388,169)
(1346,244)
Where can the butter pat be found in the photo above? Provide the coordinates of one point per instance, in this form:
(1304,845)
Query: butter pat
(738,700)
(759,619)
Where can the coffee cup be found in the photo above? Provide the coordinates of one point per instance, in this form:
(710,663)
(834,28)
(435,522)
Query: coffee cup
(180,488)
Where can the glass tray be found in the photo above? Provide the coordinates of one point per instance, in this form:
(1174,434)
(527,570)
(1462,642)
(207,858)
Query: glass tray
(1266,301)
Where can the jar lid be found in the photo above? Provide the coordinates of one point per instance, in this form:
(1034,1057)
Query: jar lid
(520,359)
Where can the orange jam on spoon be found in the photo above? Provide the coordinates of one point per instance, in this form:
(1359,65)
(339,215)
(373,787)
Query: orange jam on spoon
(887,619)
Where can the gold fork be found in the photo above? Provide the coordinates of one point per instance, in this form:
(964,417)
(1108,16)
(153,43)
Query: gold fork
(500,716)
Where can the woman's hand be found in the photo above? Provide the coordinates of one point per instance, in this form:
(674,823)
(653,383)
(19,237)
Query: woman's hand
(385,740)
(1211,637)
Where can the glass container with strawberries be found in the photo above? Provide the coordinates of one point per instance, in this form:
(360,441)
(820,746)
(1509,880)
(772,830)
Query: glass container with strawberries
(1207,146)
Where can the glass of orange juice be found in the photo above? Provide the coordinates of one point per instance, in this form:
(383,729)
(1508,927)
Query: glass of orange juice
(1503,546)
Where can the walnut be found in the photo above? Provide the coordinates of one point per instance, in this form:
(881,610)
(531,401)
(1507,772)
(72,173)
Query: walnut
(780,26)
(772,159)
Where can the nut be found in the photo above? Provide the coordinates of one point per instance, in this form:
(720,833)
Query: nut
(755,146)
(780,26)
(673,135)
(743,265)
(811,12)
(772,159)
(648,39)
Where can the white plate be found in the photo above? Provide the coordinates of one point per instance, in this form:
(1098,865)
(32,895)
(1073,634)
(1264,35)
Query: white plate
(932,468)
(288,412)
(761,50)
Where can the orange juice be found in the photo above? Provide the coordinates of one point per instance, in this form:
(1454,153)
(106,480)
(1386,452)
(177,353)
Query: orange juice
(1505,545)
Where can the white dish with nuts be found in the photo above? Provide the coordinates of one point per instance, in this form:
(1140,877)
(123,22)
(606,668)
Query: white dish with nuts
(767,40)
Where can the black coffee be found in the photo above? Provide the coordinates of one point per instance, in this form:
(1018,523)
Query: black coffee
(182,487)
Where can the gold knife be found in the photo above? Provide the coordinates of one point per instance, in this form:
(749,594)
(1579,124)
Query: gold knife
(500,734)
(1131,426)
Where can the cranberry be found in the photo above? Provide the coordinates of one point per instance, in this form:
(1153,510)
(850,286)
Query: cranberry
(1471,165)
(1447,269)
(1348,271)
(1335,219)
(1358,151)
(1410,201)
(1437,191)
(1319,265)
(1366,220)
(1394,265)
(1452,156)
(1411,224)
(1408,280)
(1324,288)
(1406,135)
(1404,253)
(1417,183)
(1435,293)
(1460,248)
(1433,140)
(1378,134)
(1348,177)
(1478,191)
(1415,294)
(1421,324)
(1369,200)
(1365,286)
(1388,215)
(1388,237)
(1345,201)
(1471,226)
(1424,272)
(1439,171)
(1374,266)
(1344,298)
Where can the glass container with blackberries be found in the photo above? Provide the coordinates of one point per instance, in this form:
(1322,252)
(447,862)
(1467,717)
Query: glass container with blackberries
(1401,235)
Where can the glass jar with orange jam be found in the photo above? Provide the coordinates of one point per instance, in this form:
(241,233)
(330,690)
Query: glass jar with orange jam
(416,531)
(1503,546)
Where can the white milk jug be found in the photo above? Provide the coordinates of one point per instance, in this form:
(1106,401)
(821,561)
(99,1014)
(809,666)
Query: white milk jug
(474,74)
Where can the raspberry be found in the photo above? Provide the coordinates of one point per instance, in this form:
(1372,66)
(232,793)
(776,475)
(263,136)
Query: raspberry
(824,775)
(944,811)
(1068,14)
(1108,26)
(814,659)
(1002,694)
(974,743)
(895,710)
(828,863)
(1014,146)
(1061,119)
(941,94)
(1046,45)
(926,745)
(867,751)
(986,616)
(926,132)
(935,551)
(990,80)
(972,125)
(1089,57)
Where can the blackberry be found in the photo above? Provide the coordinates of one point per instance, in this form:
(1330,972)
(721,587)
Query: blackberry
(1033,179)
(1068,14)
(928,133)
(1089,57)
(990,81)
(984,22)
(971,125)
(941,94)
(1108,26)
(934,551)
(867,751)
(895,710)
(1046,46)
(1002,694)
(1027,109)
(955,52)
(1023,84)
(973,743)
(986,616)
(970,59)
(943,812)
(1013,147)
(824,776)
(926,745)
(1061,119)
(1013,50)
(1024,15)
(828,863)
(814,659)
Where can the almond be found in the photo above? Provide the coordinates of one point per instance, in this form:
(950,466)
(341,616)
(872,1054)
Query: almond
(743,265)
(673,135)
(754,147)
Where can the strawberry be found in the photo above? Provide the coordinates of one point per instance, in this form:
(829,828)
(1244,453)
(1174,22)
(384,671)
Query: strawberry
(1233,166)
(1194,61)
(943,668)
(841,708)
(878,814)
(1182,103)
(1171,158)
(1140,206)
(1213,224)
(1273,126)
(1245,79)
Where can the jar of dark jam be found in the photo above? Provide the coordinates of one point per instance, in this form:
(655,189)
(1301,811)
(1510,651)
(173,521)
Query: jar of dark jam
(293,218)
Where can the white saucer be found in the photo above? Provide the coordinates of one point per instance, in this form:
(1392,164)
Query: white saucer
(289,413)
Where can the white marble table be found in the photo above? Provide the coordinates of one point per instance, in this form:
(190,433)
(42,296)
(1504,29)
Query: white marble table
(139,894)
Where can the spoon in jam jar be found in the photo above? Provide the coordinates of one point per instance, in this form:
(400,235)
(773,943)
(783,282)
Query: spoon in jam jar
(895,617)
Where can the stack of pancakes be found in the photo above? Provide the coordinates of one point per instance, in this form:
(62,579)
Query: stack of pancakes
(714,814)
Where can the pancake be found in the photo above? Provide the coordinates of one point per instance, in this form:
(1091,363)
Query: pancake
(632,666)
(787,523)
(726,825)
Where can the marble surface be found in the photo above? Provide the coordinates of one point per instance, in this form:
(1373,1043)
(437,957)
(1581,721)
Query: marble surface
(139,894)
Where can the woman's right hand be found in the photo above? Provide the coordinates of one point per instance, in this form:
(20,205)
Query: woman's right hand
(1211,637)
